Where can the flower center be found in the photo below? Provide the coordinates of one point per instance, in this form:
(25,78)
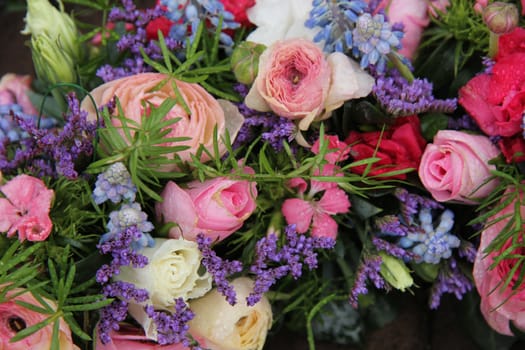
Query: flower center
(16,324)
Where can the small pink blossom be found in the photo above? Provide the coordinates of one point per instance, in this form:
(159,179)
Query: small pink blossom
(14,89)
(306,211)
(25,208)
(337,149)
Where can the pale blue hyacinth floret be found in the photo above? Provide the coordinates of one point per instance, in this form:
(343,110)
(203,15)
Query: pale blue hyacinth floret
(347,26)
(433,243)
(114,184)
(191,13)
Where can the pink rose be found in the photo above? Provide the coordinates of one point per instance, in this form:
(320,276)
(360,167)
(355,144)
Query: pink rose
(455,166)
(307,211)
(25,208)
(14,318)
(296,81)
(216,207)
(206,113)
(129,337)
(14,89)
(499,305)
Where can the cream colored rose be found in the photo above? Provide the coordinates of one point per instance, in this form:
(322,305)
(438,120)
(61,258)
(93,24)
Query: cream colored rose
(173,272)
(226,327)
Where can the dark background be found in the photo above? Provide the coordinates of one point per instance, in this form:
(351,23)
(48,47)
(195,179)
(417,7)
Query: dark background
(415,328)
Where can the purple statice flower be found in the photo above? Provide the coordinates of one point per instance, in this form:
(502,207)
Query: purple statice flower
(121,248)
(134,41)
(400,97)
(468,251)
(375,39)
(432,243)
(390,225)
(369,269)
(51,152)
(337,21)
(270,127)
(465,122)
(392,249)
(172,328)
(187,16)
(130,215)
(219,268)
(271,263)
(450,280)
(116,312)
(10,130)
(411,203)
(114,184)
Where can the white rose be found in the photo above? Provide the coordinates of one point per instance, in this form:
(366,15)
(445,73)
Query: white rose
(226,327)
(278,20)
(173,272)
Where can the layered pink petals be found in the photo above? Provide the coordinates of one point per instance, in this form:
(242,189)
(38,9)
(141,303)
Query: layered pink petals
(25,208)
(499,305)
(216,207)
(455,166)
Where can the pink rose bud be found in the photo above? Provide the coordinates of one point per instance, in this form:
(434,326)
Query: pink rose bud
(216,207)
(501,17)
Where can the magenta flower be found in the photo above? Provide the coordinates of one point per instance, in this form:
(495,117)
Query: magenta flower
(306,211)
(25,208)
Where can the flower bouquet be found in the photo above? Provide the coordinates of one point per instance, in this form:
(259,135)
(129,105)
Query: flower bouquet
(202,174)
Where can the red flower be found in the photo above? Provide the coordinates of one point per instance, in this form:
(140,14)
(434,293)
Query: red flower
(400,147)
(496,100)
(160,23)
(513,148)
(238,9)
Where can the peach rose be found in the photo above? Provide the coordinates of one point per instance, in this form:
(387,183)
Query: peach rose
(216,207)
(14,89)
(499,305)
(297,82)
(14,318)
(206,113)
(455,166)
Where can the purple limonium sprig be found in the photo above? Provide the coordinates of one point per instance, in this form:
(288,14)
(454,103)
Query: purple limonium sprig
(400,97)
(135,41)
(10,130)
(450,280)
(390,225)
(51,152)
(116,312)
(369,269)
(468,251)
(392,249)
(271,263)
(337,20)
(190,13)
(411,203)
(465,122)
(172,327)
(114,184)
(270,127)
(219,268)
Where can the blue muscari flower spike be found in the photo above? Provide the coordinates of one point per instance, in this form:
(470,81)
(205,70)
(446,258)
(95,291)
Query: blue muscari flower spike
(192,12)
(114,184)
(375,39)
(432,243)
(337,20)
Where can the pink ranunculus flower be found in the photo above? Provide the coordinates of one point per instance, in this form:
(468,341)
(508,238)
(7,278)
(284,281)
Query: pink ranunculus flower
(206,113)
(338,150)
(500,305)
(306,211)
(216,207)
(14,318)
(297,82)
(25,208)
(455,166)
(14,89)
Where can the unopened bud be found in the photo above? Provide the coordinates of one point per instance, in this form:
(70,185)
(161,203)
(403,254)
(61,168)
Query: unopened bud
(245,61)
(395,272)
(52,64)
(501,17)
